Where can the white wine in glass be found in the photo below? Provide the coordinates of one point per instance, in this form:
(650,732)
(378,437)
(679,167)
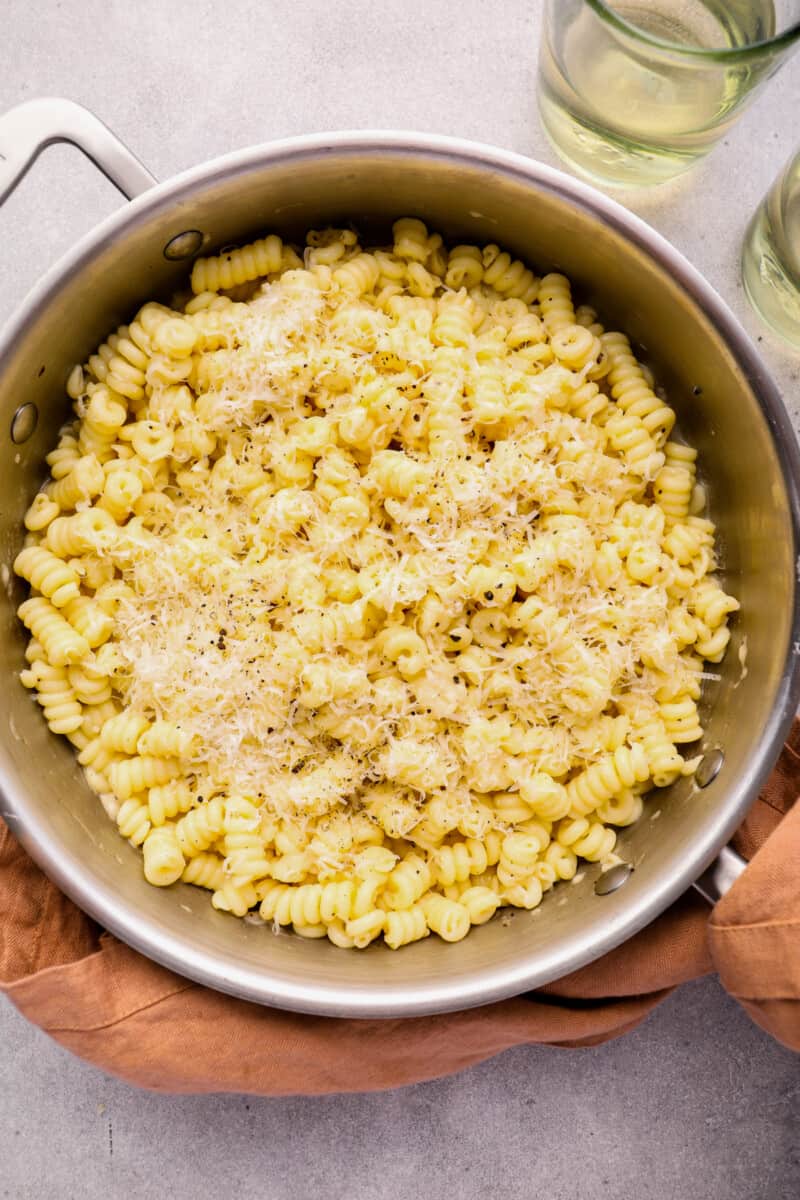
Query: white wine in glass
(635,92)
(771,255)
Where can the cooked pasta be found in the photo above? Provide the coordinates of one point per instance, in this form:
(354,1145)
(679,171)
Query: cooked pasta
(372,586)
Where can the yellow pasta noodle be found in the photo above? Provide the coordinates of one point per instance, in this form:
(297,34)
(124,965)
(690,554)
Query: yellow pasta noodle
(206,871)
(48,574)
(55,693)
(408,925)
(163,861)
(61,643)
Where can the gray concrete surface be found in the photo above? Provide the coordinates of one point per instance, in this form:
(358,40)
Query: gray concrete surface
(697,1102)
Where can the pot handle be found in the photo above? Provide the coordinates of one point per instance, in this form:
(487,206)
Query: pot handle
(720,875)
(29,128)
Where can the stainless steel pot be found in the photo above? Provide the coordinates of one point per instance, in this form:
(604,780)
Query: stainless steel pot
(727,406)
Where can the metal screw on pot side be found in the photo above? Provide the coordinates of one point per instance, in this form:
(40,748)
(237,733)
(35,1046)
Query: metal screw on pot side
(612,879)
(23,423)
(183,245)
(709,767)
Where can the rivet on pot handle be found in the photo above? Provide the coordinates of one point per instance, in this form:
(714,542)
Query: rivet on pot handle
(29,128)
(720,875)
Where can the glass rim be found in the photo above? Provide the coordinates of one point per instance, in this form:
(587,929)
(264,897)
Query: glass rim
(714,54)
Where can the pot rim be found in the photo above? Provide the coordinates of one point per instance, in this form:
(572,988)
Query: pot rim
(493,982)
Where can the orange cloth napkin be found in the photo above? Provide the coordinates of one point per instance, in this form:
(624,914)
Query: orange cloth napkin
(120,1011)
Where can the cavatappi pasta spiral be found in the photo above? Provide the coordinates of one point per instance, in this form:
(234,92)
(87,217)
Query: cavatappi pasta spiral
(372,586)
